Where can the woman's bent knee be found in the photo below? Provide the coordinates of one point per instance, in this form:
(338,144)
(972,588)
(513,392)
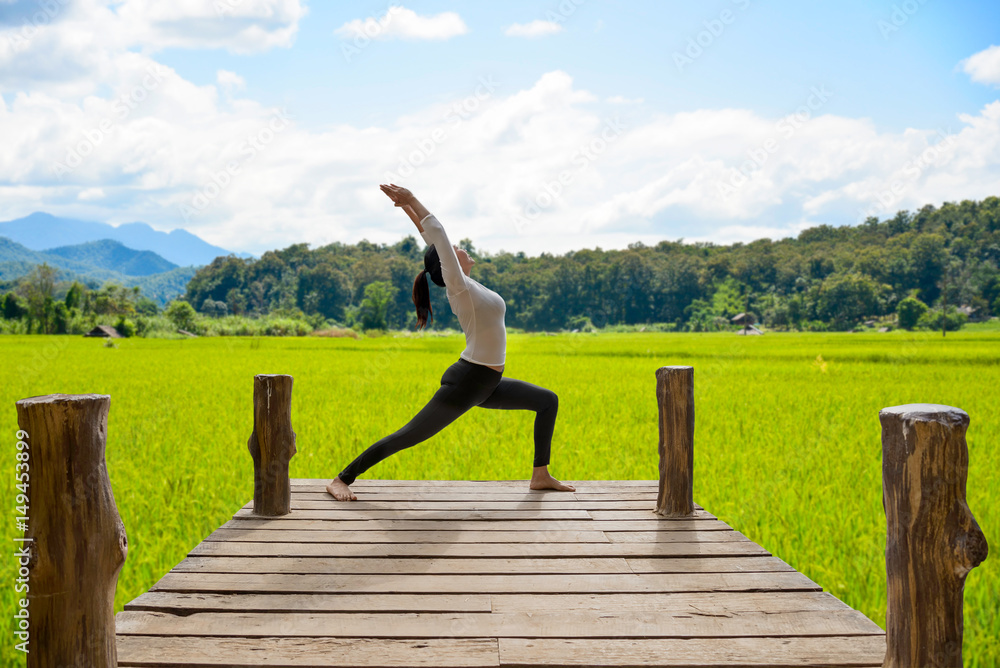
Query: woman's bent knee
(551,401)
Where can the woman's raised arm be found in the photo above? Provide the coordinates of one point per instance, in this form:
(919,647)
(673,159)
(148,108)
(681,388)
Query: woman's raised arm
(433,233)
(402,197)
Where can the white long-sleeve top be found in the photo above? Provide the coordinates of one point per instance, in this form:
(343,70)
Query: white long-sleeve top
(479,310)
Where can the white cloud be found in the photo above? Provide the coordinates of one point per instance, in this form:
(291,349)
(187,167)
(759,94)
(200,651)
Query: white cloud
(536,28)
(90,42)
(89,194)
(241,26)
(149,141)
(399,22)
(984,67)
(618,99)
(230,81)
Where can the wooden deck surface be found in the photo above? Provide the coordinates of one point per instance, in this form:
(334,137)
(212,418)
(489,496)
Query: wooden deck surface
(487,573)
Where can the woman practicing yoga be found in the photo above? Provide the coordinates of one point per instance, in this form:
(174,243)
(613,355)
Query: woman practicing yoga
(476,379)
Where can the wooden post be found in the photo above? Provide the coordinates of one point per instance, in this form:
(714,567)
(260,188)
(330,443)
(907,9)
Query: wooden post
(933,541)
(272,444)
(675,395)
(78,543)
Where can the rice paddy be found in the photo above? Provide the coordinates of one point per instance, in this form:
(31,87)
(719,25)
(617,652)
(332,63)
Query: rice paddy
(787,436)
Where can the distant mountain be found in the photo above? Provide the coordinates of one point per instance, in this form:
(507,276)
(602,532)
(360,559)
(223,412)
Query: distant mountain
(40,231)
(95,262)
(108,254)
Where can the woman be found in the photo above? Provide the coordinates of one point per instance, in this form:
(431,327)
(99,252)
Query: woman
(476,379)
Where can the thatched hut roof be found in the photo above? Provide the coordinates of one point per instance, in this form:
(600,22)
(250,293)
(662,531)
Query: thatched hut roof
(106,331)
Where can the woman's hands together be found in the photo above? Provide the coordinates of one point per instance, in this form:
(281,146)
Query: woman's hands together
(399,195)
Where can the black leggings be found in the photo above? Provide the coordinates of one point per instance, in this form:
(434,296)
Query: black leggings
(464,385)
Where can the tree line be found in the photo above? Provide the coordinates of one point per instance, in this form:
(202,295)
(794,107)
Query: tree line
(827,278)
(930,268)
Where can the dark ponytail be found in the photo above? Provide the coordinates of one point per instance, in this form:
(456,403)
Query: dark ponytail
(422,300)
(421,291)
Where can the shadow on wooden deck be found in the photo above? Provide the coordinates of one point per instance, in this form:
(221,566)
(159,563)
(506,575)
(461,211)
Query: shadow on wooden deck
(487,573)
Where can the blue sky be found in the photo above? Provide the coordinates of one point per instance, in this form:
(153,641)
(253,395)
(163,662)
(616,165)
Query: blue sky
(851,109)
(763,61)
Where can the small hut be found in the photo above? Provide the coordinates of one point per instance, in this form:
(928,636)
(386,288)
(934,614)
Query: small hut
(106,331)
(745,321)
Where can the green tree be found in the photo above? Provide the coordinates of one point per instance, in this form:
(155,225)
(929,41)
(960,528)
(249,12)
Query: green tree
(125,326)
(375,305)
(146,306)
(182,314)
(951,321)
(213,308)
(13,307)
(844,299)
(236,301)
(38,287)
(60,318)
(909,312)
(928,256)
(74,296)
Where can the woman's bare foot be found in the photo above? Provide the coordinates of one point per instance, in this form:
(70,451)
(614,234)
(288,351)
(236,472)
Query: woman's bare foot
(340,491)
(540,479)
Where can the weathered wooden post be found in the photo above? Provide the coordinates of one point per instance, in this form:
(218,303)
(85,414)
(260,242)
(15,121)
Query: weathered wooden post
(675,395)
(933,541)
(272,444)
(77,540)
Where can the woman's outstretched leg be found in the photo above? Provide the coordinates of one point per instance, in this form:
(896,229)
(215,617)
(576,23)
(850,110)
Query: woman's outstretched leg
(462,387)
(431,419)
(512,394)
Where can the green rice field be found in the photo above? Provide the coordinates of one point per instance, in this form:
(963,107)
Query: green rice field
(787,435)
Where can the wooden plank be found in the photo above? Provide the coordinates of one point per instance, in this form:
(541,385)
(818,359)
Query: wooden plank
(532,537)
(325,502)
(430,495)
(645,512)
(522,491)
(704,603)
(481,566)
(157,652)
(707,565)
(494,550)
(549,624)
(621,496)
(855,651)
(403,494)
(468,514)
(396,565)
(291,522)
(670,536)
(483,584)
(537,538)
(184,603)
(378,482)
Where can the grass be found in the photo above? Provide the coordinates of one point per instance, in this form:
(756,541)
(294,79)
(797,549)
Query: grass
(787,439)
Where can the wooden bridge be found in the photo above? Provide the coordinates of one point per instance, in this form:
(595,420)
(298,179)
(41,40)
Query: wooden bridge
(467,573)
(456,573)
